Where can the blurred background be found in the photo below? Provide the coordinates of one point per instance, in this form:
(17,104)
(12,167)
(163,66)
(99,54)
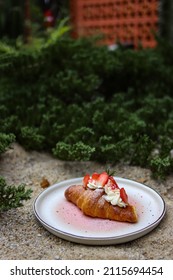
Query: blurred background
(131,22)
(29,18)
(118,104)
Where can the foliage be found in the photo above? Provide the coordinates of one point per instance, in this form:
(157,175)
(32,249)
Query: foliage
(62,28)
(13,21)
(5,141)
(84,102)
(12,196)
(78,151)
(161,166)
(11,18)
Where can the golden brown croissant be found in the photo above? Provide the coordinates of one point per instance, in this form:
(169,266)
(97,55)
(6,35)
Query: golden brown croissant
(92,203)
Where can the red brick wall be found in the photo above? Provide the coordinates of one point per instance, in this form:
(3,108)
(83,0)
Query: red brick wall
(127,21)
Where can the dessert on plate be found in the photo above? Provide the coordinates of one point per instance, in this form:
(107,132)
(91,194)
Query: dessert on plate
(100,196)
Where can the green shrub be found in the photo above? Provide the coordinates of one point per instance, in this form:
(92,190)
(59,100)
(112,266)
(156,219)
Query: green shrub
(84,102)
(78,151)
(12,196)
(31,138)
(5,141)
(161,166)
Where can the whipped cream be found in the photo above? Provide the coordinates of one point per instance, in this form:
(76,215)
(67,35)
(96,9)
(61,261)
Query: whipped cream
(92,184)
(113,196)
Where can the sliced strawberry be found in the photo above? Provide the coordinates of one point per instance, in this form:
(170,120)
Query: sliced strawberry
(95,176)
(123,195)
(103,178)
(85,180)
(113,182)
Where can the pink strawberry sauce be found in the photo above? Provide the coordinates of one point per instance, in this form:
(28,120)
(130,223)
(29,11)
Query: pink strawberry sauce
(70,215)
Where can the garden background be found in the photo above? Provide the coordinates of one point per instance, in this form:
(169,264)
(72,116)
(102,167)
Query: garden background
(69,107)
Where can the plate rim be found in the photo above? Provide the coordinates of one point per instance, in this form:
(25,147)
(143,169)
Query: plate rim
(79,238)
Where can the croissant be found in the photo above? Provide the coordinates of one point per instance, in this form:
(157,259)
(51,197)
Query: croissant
(92,203)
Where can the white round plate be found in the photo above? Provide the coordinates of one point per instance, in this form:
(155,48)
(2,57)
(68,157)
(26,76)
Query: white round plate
(65,220)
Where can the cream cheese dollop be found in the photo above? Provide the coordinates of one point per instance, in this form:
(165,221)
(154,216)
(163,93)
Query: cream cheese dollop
(113,196)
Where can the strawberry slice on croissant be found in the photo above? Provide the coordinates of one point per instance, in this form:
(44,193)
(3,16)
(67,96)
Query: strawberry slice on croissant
(101,197)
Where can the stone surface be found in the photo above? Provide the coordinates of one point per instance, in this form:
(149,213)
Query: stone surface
(23,237)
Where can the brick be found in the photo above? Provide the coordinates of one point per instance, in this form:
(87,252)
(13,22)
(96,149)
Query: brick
(123,20)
